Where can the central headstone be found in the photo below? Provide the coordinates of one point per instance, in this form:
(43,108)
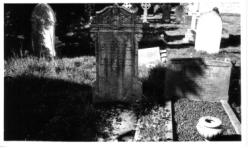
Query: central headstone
(116,32)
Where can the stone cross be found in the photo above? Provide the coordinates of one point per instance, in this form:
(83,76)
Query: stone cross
(145,7)
(209,32)
(116,32)
(193,11)
(43,31)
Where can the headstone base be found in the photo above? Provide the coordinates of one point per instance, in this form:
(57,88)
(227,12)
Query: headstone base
(134,95)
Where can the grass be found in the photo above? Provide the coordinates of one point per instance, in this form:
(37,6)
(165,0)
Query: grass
(77,70)
(51,100)
(188,112)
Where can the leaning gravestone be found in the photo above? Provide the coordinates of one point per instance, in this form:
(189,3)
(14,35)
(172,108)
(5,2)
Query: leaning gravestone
(208,32)
(43,31)
(116,32)
(149,57)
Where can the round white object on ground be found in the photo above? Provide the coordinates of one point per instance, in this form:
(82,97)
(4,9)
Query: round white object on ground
(209,127)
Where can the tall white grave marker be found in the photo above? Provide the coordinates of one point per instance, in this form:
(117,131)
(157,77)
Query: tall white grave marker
(208,32)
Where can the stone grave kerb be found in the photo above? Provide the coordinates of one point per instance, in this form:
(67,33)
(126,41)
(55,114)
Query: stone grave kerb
(116,32)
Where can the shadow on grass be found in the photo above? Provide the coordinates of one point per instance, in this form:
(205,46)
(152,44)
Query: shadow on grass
(178,46)
(173,38)
(152,43)
(173,81)
(38,108)
(232,41)
(77,45)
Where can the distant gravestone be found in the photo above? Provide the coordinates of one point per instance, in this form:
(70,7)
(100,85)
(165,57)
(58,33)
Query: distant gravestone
(179,13)
(43,31)
(191,21)
(166,10)
(145,7)
(149,57)
(116,32)
(208,32)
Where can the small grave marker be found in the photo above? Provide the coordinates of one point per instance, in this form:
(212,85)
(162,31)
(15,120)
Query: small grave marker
(149,57)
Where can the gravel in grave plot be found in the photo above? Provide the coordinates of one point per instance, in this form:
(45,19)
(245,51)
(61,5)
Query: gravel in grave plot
(187,114)
(155,126)
(116,123)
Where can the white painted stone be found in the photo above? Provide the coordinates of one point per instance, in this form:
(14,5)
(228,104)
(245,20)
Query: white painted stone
(149,57)
(208,32)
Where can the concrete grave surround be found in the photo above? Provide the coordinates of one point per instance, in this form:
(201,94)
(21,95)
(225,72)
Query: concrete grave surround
(43,30)
(116,32)
(149,57)
(208,33)
(198,79)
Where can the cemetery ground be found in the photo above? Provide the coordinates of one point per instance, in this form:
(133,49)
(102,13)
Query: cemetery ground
(52,100)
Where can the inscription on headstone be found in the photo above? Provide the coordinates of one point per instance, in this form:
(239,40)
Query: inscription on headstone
(116,32)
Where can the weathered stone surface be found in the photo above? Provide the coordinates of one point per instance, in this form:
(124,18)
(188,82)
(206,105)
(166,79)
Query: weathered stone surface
(116,32)
(43,31)
(198,79)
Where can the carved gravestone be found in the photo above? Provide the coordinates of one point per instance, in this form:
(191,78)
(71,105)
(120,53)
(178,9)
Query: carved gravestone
(43,31)
(116,32)
(208,32)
